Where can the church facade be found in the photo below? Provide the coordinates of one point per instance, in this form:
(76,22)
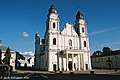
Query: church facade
(63,50)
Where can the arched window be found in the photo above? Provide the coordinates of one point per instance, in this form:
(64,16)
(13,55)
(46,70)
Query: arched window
(70,42)
(54,25)
(54,41)
(83,30)
(84,43)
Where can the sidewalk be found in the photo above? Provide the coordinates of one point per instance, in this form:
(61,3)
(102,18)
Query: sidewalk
(95,72)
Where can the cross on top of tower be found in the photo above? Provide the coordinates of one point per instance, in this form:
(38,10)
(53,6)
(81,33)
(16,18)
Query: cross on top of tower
(52,9)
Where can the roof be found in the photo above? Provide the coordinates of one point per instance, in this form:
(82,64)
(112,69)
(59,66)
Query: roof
(23,61)
(116,52)
(52,9)
(79,15)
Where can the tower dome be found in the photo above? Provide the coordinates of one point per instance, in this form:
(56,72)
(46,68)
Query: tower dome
(52,9)
(79,15)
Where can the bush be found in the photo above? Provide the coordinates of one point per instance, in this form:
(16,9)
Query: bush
(91,72)
(71,72)
(61,72)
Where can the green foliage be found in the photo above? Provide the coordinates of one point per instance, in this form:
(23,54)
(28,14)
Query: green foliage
(0,56)
(3,70)
(106,50)
(97,53)
(7,55)
(19,56)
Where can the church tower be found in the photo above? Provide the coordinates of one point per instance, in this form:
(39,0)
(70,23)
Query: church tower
(37,51)
(81,29)
(52,23)
(51,37)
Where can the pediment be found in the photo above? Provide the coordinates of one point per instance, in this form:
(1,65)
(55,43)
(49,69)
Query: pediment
(69,30)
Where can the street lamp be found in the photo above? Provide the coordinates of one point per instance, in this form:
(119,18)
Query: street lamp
(109,63)
(115,63)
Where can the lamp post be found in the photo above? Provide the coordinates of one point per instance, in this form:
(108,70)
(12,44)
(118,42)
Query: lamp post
(115,63)
(109,63)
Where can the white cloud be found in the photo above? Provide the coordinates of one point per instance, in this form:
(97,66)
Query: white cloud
(27,54)
(25,34)
(101,31)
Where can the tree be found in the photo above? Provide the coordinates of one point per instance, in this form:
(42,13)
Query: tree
(97,53)
(0,56)
(106,50)
(19,56)
(7,57)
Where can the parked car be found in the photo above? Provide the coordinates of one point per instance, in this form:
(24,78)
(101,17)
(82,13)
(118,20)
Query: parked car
(36,76)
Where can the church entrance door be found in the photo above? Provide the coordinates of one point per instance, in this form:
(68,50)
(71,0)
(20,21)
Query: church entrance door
(86,66)
(70,65)
(54,67)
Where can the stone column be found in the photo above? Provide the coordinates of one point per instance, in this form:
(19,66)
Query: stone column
(78,62)
(66,61)
(82,62)
(58,68)
(62,63)
(72,62)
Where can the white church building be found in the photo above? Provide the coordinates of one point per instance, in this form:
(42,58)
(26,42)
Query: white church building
(66,50)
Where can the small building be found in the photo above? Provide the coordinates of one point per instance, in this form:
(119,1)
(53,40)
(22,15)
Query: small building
(26,63)
(13,54)
(31,61)
(22,63)
(108,61)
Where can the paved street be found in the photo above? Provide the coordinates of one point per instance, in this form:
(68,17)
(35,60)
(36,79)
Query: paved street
(109,72)
(81,75)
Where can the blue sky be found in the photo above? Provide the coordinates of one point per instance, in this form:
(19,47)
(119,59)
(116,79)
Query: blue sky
(20,19)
